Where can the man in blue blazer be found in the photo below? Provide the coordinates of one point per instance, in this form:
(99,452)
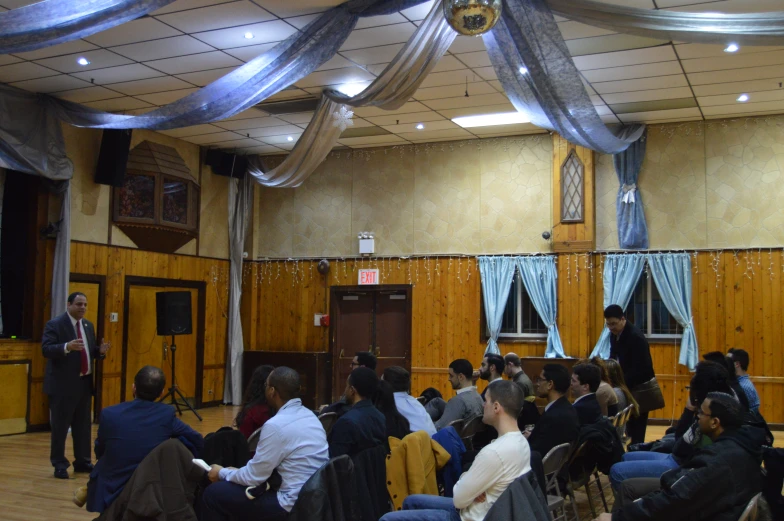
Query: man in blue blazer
(71,351)
(127,433)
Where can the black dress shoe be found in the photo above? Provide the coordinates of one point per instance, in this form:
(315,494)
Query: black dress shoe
(61,473)
(83,467)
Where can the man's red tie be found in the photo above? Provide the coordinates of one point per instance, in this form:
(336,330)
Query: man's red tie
(85,365)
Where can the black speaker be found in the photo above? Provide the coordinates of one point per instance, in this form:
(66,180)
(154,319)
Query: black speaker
(229,165)
(113,157)
(173,311)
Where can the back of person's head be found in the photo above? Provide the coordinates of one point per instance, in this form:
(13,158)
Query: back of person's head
(513,359)
(708,377)
(462,366)
(398,378)
(613,311)
(364,381)
(366,359)
(723,360)
(726,409)
(615,373)
(587,373)
(150,382)
(496,361)
(431,393)
(559,375)
(285,380)
(384,400)
(741,356)
(598,362)
(254,392)
(509,396)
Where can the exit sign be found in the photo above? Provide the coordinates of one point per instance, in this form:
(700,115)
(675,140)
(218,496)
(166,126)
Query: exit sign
(368,277)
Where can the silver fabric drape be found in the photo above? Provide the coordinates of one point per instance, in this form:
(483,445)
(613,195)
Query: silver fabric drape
(50,22)
(718,28)
(61,269)
(2,192)
(393,88)
(240,201)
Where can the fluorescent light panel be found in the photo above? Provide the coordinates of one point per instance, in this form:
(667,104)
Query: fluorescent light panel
(487,120)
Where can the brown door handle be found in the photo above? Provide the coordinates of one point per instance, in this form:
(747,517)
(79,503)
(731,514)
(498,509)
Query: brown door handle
(378,351)
(341,354)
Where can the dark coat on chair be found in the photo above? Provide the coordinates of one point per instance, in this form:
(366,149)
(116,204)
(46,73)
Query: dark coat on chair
(370,481)
(588,410)
(226,447)
(127,434)
(558,424)
(327,495)
(62,370)
(450,440)
(523,500)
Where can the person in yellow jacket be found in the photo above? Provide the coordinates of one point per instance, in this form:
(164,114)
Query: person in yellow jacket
(496,466)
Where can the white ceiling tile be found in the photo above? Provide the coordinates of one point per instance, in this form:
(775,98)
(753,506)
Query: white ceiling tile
(458,77)
(51,84)
(184,5)
(414,117)
(6,59)
(388,34)
(118,104)
(731,99)
(476,111)
(213,137)
(139,30)
(736,87)
(375,21)
(88,94)
(71,47)
(418,12)
(610,43)
(371,140)
(407,108)
(486,73)
(454,91)
(194,63)
(164,48)
(477,101)
(99,59)
(203,78)
(246,54)
(464,44)
(776,112)
(253,112)
(475,59)
(335,77)
(497,85)
(448,63)
(151,85)
(429,126)
(134,71)
(647,95)
(217,17)
(658,115)
(281,140)
(13,4)
(336,62)
(620,58)
(264,32)
(688,51)
(380,54)
(730,61)
(244,124)
(610,119)
(747,74)
(633,71)
(376,69)
(287,8)
(194,130)
(660,82)
(745,108)
(164,98)
(572,30)
(300,22)
(725,6)
(603,110)
(23,71)
(301,118)
(272,131)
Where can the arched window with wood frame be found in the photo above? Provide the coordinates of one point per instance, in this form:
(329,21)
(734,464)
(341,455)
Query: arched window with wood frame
(572,189)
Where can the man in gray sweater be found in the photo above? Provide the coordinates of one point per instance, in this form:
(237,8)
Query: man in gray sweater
(467,403)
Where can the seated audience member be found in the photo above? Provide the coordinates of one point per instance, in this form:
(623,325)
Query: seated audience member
(363,426)
(396,424)
(293,442)
(254,411)
(715,484)
(491,369)
(608,401)
(724,360)
(559,423)
(585,381)
(466,403)
(400,381)
(127,433)
(434,403)
(740,362)
(514,371)
(618,383)
(708,377)
(361,359)
(495,467)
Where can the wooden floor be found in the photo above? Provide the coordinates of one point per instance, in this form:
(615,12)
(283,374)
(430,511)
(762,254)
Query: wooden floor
(31,493)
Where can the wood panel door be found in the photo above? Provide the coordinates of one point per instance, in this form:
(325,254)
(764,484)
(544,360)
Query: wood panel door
(144,347)
(353,332)
(392,341)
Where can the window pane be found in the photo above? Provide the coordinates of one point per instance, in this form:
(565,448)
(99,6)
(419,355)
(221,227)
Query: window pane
(637,310)
(175,201)
(572,189)
(137,197)
(532,322)
(663,323)
(509,323)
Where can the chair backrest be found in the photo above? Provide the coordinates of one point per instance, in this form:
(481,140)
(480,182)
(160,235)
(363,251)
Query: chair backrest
(459,425)
(327,420)
(421,399)
(253,440)
(750,512)
(472,426)
(556,458)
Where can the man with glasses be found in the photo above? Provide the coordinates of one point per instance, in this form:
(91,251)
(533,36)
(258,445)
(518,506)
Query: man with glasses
(467,403)
(361,359)
(559,423)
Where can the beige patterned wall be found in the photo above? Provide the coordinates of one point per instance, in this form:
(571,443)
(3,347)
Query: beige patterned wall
(461,197)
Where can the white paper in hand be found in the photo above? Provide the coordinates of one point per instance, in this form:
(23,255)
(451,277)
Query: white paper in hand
(202,464)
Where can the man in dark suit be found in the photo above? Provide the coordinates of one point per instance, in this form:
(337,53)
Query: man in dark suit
(630,347)
(127,433)
(558,424)
(70,347)
(584,383)
(363,426)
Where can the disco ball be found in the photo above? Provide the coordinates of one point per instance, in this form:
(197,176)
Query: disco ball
(472,17)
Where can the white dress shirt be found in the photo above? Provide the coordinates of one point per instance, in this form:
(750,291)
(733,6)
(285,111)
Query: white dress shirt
(415,413)
(293,442)
(86,345)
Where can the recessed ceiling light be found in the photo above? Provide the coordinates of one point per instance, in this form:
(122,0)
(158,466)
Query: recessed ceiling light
(83,61)
(486,120)
(731,48)
(420,126)
(743,98)
(249,35)
(523,70)
(289,138)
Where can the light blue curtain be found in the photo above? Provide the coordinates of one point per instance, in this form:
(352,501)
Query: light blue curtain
(496,275)
(632,229)
(620,276)
(672,276)
(539,276)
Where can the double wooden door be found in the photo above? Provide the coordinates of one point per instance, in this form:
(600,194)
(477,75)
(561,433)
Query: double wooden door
(369,318)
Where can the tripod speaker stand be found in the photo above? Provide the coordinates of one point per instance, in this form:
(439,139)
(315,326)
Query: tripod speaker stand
(174,393)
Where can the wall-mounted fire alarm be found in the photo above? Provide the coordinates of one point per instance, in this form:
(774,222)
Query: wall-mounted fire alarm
(367,243)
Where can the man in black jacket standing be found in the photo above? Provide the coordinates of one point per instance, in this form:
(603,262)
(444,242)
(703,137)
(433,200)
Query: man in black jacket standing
(716,484)
(630,348)
(71,351)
